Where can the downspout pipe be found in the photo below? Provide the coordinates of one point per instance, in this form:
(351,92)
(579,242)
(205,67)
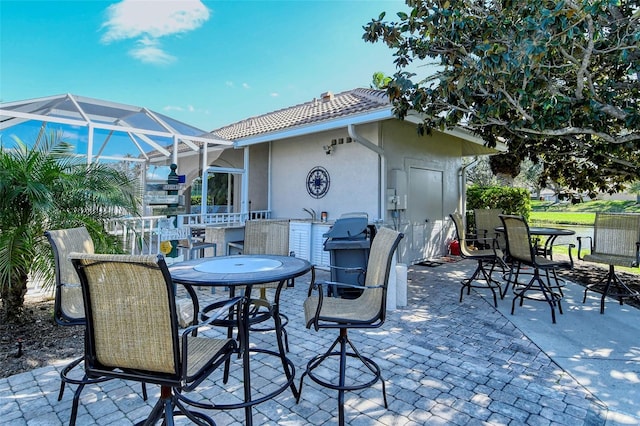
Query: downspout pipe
(382,176)
(244,207)
(205,182)
(463,185)
(270,180)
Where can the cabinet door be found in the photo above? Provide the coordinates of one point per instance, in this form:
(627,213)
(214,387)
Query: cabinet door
(300,239)
(319,257)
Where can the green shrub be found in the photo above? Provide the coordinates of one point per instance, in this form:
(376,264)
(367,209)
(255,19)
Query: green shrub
(196,200)
(509,200)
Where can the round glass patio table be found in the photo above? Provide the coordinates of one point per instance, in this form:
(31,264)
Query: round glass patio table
(245,271)
(543,231)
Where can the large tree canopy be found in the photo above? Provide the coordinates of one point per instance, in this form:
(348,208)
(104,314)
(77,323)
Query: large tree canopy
(557,81)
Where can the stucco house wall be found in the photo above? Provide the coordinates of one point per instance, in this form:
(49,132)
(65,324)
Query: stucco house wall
(400,179)
(352,170)
(355,184)
(427,230)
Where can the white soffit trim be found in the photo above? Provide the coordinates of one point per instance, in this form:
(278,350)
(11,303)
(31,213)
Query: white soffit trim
(322,126)
(473,145)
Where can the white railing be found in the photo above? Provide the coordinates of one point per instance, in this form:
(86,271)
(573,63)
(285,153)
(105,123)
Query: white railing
(220,218)
(142,235)
(137,233)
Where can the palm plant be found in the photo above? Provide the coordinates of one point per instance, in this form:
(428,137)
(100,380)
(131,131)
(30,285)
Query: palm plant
(47,186)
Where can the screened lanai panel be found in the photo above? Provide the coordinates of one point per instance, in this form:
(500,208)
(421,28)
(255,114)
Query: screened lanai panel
(105,144)
(100,128)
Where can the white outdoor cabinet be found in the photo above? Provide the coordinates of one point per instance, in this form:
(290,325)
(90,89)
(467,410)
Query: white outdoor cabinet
(319,257)
(300,239)
(306,241)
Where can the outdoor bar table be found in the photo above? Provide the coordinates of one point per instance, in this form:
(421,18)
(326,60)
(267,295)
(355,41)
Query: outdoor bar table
(246,271)
(551,235)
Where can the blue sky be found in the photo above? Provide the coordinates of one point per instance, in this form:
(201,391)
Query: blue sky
(208,63)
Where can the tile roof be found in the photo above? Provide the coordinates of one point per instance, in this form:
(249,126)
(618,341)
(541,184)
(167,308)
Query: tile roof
(328,107)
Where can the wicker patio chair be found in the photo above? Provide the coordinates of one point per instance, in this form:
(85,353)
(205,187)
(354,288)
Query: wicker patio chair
(195,244)
(522,252)
(487,220)
(132,331)
(481,277)
(615,242)
(267,236)
(366,311)
(69,305)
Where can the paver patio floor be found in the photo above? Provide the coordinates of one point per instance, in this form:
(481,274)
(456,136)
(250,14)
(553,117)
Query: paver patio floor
(444,362)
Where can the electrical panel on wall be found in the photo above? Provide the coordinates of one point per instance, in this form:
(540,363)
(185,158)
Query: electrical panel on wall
(395,201)
(397,194)
(392,200)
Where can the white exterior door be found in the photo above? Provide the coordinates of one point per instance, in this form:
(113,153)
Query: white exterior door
(425,213)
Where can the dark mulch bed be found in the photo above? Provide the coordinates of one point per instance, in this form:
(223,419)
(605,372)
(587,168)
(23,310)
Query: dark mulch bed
(585,273)
(37,341)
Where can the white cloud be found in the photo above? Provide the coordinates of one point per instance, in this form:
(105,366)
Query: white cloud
(274,94)
(246,86)
(188,108)
(229,83)
(134,18)
(148,21)
(173,108)
(149,52)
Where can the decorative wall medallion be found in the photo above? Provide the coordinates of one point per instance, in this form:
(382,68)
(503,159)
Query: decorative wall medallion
(318,182)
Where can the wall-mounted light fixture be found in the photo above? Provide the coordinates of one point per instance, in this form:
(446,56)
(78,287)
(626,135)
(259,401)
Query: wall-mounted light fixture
(329,148)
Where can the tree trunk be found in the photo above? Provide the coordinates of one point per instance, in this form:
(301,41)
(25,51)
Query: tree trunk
(13,298)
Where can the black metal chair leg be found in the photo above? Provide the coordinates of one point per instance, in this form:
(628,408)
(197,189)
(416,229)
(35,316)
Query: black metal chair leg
(169,406)
(155,415)
(64,379)
(286,339)
(549,297)
(342,387)
(61,392)
(65,372)
(74,405)
(467,283)
(611,279)
(341,381)
(489,280)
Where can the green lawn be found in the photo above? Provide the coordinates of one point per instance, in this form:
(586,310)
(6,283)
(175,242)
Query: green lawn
(544,212)
(562,218)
